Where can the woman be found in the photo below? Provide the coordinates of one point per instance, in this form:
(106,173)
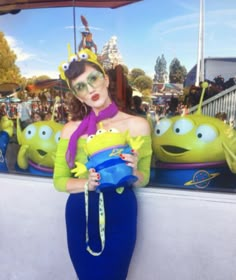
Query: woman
(91,104)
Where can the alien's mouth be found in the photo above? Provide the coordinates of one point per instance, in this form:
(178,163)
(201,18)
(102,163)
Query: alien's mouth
(40,167)
(174,149)
(41,152)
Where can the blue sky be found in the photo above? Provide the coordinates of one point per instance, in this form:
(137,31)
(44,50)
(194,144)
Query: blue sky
(144,30)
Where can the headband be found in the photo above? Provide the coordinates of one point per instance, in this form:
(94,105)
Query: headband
(83,55)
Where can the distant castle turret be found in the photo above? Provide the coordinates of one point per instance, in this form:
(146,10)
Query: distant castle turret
(110,55)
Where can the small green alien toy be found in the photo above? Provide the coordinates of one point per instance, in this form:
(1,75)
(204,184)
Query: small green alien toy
(103,150)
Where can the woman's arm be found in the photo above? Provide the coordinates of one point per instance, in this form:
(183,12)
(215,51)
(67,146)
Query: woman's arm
(62,174)
(62,177)
(141,159)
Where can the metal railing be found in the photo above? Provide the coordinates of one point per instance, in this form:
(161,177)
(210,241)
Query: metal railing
(224,101)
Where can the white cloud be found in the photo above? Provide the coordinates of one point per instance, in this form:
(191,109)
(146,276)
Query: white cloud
(20,53)
(81,27)
(186,5)
(176,23)
(212,18)
(25,59)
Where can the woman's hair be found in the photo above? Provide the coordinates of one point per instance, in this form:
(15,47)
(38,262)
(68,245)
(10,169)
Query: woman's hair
(77,109)
(123,103)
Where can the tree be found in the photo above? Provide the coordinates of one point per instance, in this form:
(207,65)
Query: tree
(177,72)
(160,69)
(143,83)
(135,73)
(9,72)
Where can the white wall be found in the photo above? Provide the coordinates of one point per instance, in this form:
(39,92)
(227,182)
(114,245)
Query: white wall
(182,235)
(227,69)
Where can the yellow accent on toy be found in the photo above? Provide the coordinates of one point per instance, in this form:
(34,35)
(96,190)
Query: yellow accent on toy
(135,143)
(79,169)
(6,125)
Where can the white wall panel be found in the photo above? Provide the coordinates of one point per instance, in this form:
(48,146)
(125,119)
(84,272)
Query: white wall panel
(181,235)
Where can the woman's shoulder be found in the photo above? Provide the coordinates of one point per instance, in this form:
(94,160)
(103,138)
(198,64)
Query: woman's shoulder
(69,128)
(137,125)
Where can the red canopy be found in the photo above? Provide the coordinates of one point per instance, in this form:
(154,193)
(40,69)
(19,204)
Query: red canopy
(10,6)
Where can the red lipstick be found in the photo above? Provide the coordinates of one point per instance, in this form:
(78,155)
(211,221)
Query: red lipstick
(95,97)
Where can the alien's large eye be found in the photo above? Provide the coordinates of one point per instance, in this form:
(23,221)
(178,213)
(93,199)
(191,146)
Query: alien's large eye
(113,130)
(45,132)
(73,58)
(90,138)
(65,66)
(83,55)
(57,136)
(100,131)
(162,126)
(30,131)
(206,133)
(183,126)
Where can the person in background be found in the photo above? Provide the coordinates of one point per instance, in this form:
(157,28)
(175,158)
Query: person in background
(137,106)
(3,110)
(92,104)
(232,122)
(47,116)
(24,111)
(36,116)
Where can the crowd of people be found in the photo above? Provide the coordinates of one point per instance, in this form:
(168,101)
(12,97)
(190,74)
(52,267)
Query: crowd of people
(192,97)
(30,111)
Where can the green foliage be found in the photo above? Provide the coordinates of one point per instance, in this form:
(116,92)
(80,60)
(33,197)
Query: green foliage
(177,72)
(42,78)
(9,72)
(160,69)
(134,74)
(146,94)
(143,83)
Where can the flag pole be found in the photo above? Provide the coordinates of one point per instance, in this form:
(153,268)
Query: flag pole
(200,61)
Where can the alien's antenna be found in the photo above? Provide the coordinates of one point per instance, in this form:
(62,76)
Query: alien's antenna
(204,86)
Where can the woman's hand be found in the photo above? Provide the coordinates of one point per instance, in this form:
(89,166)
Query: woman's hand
(93,179)
(131,160)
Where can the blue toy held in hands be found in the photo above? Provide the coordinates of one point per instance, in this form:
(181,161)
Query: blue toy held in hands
(103,150)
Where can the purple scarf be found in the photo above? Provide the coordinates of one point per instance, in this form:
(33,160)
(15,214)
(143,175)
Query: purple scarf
(88,126)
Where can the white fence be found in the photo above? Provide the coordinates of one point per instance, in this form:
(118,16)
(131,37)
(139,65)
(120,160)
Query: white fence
(224,101)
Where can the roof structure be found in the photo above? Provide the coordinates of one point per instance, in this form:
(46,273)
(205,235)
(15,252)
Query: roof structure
(167,87)
(8,88)
(13,7)
(213,67)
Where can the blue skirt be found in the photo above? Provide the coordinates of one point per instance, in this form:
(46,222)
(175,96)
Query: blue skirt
(120,233)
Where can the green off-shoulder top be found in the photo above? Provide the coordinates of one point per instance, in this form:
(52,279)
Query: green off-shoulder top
(62,172)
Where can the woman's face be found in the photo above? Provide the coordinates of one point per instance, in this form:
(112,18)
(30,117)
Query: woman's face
(91,88)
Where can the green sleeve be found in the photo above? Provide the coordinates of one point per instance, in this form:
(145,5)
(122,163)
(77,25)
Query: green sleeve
(62,172)
(61,169)
(145,156)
